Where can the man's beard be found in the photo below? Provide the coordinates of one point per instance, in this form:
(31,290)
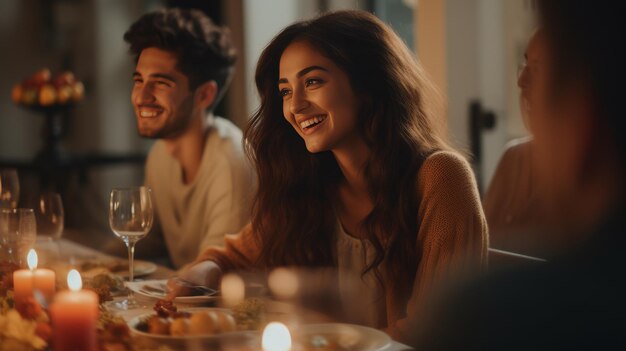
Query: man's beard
(175,125)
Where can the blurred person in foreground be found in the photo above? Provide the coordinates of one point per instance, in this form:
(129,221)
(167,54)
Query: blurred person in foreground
(512,208)
(200,179)
(354,173)
(575,301)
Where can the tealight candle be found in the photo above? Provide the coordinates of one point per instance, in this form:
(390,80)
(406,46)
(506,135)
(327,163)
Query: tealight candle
(74,316)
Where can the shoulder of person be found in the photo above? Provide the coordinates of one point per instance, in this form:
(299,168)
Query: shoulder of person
(516,149)
(224,137)
(225,130)
(224,148)
(446,180)
(518,143)
(443,168)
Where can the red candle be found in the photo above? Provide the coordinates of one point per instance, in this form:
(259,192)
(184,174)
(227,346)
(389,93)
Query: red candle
(74,315)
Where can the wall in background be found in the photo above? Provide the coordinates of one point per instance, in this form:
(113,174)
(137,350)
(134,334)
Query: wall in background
(84,36)
(262,21)
(484,41)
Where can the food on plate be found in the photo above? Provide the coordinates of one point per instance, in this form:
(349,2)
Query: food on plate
(226,322)
(111,266)
(168,320)
(209,322)
(249,314)
(113,332)
(104,284)
(42,89)
(179,327)
(110,280)
(160,326)
(166,309)
(203,323)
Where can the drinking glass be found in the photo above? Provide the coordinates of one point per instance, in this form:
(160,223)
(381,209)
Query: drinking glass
(51,216)
(50,222)
(18,232)
(130,217)
(9,188)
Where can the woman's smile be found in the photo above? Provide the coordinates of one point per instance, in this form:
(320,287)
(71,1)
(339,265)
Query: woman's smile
(311,124)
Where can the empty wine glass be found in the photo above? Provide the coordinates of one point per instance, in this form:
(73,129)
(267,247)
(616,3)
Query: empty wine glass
(50,216)
(9,188)
(18,232)
(130,217)
(50,222)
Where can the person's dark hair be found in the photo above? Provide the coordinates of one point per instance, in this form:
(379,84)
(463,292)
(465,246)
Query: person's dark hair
(204,50)
(586,43)
(293,214)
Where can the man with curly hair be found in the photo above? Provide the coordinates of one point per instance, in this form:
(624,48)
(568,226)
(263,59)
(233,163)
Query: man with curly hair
(197,170)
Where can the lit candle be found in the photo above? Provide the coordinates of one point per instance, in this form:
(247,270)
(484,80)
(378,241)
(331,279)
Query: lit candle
(44,280)
(276,337)
(25,281)
(22,284)
(74,315)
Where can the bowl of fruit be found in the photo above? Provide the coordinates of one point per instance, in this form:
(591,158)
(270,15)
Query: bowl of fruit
(45,92)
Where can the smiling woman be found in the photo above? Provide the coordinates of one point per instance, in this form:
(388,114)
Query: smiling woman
(317,99)
(348,156)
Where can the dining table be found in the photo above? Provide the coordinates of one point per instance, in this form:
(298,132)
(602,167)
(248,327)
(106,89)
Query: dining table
(73,252)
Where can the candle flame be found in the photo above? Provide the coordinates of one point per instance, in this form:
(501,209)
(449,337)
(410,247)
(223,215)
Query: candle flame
(276,337)
(31,258)
(74,282)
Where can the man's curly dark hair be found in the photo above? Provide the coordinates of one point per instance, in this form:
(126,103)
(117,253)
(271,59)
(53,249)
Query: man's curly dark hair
(204,50)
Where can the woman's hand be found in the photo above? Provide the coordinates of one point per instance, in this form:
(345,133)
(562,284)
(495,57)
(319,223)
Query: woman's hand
(206,273)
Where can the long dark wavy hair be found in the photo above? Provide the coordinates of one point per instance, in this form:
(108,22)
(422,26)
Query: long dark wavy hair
(293,217)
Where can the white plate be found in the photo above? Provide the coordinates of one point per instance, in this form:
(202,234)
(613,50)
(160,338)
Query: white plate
(237,338)
(149,288)
(346,336)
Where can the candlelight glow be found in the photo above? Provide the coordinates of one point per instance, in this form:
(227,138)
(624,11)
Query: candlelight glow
(283,283)
(233,289)
(74,282)
(276,337)
(31,258)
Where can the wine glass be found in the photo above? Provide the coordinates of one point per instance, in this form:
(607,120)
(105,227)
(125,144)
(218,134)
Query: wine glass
(130,217)
(18,231)
(9,188)
(51,215)
(50,221)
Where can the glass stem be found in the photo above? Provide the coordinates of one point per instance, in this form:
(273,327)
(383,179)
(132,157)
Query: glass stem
(131,259)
